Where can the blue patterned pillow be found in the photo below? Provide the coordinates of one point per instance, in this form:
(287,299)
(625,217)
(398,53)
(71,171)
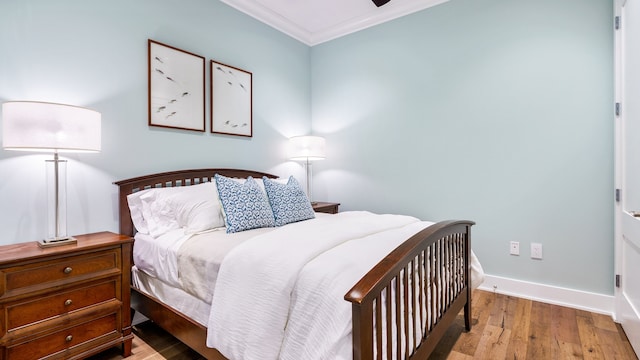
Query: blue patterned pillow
(288,201)
(245,205)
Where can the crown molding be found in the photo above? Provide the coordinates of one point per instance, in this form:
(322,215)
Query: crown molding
(391,11)
(271,18)
(388,12)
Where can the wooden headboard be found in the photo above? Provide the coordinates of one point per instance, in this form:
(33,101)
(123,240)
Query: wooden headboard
(170,179)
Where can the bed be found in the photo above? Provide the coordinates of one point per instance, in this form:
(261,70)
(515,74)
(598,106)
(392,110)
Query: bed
(400,306)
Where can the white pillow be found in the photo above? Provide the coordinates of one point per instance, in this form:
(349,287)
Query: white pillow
(137,214)
(199,208)
(160,218)
(195,208)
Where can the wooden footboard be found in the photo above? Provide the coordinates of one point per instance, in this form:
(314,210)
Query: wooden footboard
(404,305)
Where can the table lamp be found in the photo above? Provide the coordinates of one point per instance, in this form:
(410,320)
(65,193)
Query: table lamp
(307,149)
(56,128)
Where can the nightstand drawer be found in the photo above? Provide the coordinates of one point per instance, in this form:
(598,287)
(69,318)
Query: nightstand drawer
(26,312)
(64,343)
(47,273)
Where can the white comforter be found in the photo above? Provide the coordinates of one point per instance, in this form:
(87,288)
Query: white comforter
(280,294)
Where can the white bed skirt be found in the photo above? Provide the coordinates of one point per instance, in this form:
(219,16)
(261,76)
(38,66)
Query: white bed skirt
(176,298)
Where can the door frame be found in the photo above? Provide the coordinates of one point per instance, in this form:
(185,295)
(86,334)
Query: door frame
(623,309)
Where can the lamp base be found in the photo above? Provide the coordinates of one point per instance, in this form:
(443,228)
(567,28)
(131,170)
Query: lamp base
(57,242)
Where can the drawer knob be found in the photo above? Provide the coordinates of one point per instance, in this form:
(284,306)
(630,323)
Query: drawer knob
(68,338)
(68,302)
(68,270)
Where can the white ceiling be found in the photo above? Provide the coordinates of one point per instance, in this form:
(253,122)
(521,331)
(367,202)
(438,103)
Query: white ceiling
(316,21)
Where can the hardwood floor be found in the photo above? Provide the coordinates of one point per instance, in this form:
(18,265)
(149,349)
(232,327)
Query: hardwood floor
(504,327)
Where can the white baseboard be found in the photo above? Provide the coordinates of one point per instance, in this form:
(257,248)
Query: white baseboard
(583,300)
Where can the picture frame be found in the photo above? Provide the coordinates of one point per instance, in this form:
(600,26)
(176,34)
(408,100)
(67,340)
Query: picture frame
(176,88)
(231,100)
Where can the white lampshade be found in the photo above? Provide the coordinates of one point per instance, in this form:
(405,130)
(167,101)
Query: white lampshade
(41,126)
(307,148)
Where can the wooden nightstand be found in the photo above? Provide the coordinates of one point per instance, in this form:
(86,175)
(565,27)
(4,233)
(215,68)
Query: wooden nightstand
(325,207)
(65,302)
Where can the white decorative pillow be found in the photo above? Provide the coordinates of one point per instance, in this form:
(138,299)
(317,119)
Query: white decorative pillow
(137,214)
(288,201)
(245,205)
(160,217)
(198,208)
(195,208)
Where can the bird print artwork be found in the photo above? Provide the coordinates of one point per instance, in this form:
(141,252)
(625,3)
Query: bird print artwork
(231,108)
(176,76)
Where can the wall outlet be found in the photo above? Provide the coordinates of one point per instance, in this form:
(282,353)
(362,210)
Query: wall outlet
(536,251)
(514,248)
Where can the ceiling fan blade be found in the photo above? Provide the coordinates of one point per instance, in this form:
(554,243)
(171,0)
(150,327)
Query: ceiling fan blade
(380,2)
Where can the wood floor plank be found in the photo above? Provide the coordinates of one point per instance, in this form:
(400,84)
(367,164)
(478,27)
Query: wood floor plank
(565,340)
(589,339)
(498,311)
(604,322)
(564,327)
(539,332)
(510,319)
(481,307)
(493,343)
(517,348)
(568,351)
(454,355)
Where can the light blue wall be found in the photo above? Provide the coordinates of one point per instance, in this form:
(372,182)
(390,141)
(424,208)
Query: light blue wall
(94,53)
(498,111)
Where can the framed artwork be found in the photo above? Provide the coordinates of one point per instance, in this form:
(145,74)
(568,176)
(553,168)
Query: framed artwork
(231,100)
(176,88)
